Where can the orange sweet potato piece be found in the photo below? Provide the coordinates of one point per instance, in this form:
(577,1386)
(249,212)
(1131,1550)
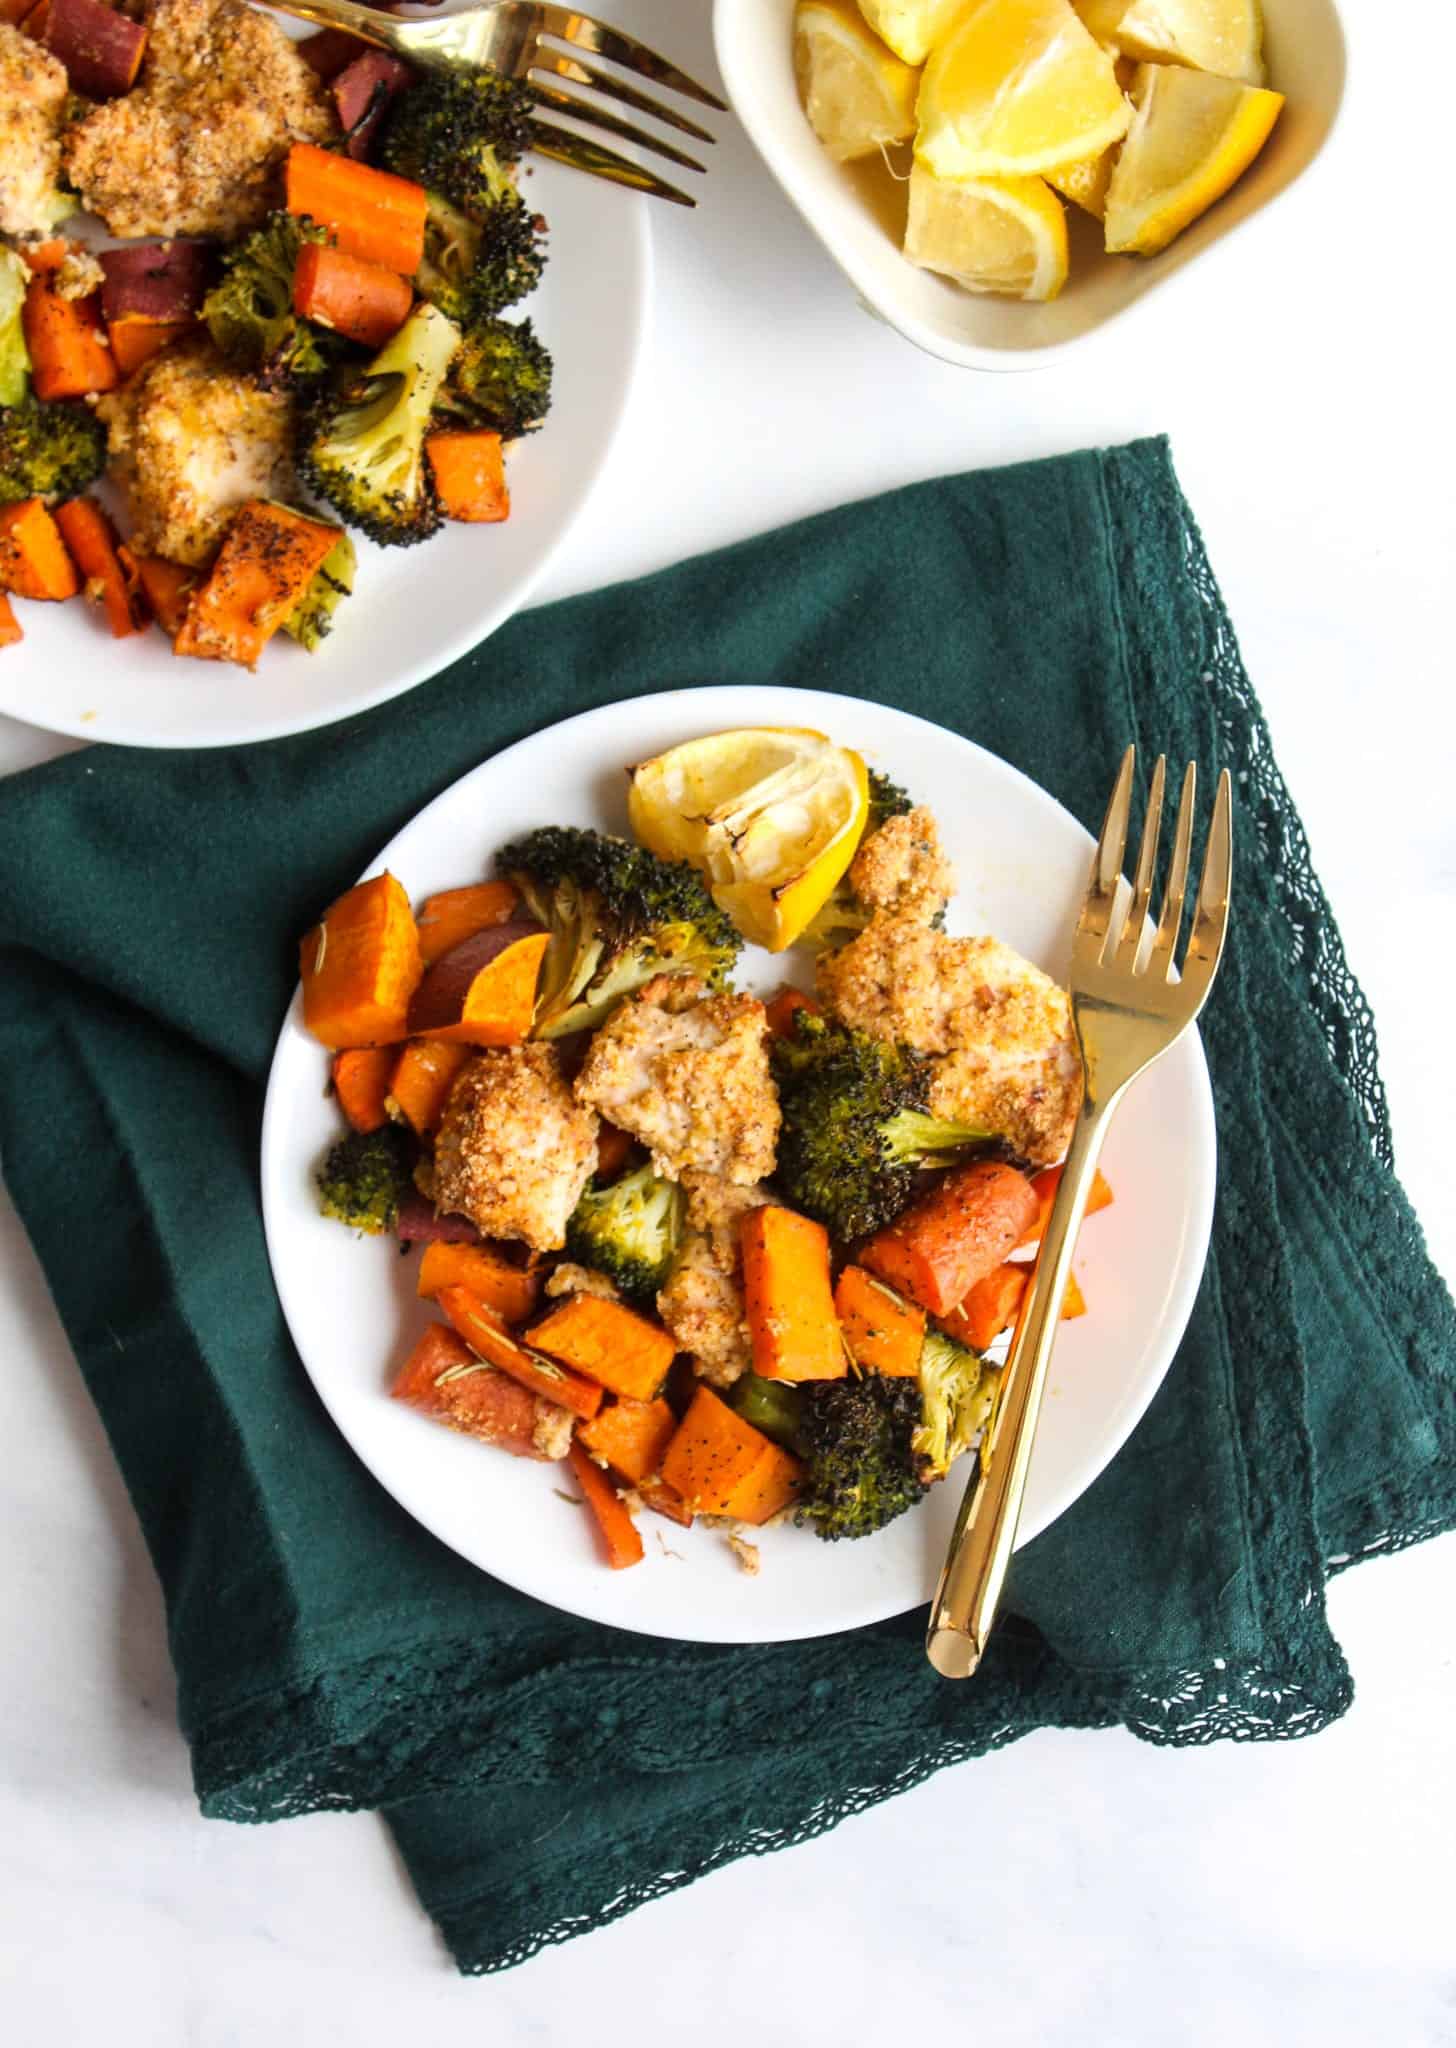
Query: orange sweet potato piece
(1044,1186)
(66,340)
(443,1378)
(489,1338)
(884,1333)
(773,1483)
(361,1083)
(263,568)
(782,1009)
(470,476)
(360,965)
(619,1533)
(483,991)
(511,1292)
(991,1307)
(631,1436)
(10,633)
(135,339)
(33,557)
(611,1344)
(961,1231)
(166,586)
(91,539)
(721,1465)
(457,914)
(1073,1301)
(420,1083)
(660,1497)
(787,1299)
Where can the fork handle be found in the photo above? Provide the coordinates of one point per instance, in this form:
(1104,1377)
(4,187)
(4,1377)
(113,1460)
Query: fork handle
(985,1532)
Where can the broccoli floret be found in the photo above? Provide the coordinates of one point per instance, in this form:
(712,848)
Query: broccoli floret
(501,378)
(249,311)
(774,1406)
(364,1177)
(312,618)
(957,1391)
(855,1127)
(629,1230)
(49,451)
(473,268)
(452,243)
(365,449)
(860,1467)
(842,914)
(617,916)
(887,800)
(458,132)
(14,356)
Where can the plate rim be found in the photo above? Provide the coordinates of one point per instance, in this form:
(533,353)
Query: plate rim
(1126,1418)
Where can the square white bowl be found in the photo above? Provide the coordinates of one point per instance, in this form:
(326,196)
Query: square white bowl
(858,212)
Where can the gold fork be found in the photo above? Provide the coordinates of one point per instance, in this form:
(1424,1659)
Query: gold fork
(1131,1000)
(517,38)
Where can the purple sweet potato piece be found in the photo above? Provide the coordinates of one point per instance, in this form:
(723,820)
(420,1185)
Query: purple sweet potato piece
(362,92)
(418,1224)
(329,51)
(154,280)
(101,49)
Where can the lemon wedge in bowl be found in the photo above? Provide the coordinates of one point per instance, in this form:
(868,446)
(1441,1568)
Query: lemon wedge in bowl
(1192,136)
(1016,87)
(770,816)
(857,94)
(912,28)
(1005,235)
(1225,36)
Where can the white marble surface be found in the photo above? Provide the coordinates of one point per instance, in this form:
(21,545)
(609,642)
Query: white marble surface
(1076,1889)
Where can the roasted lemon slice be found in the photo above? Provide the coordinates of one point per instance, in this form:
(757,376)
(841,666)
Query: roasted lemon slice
(1018,86)
(1225,36)
(1191,137)
(1004,235)
(858,97)
(770,815)
(912,28)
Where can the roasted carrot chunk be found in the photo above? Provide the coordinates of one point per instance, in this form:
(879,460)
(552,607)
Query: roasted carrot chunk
(443,1378)
(1044,1186)
(362,300)
(489,1338)
(721,1465)
(420,1082)
(961,1231)
(989,1308)
(166,586)
(620,1538)
(91,539)
(135,339)
(782,1009)
(10,633)
(265,565)
(373,214)
(69,357)
(361,1084)
(470,476)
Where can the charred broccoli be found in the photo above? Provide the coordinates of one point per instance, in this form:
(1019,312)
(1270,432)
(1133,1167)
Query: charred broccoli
(617,916)
(249,311)
(14,356)
(957,1391)
(364,1177)
(365,452)
(856,1438)
(855,1127)
(630,1231)
(312,618)
(48,451)
(459,132)
(842,914)
(474,267)
(501,378)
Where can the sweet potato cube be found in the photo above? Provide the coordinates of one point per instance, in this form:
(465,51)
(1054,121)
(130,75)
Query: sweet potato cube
(483,992)
(884,1332)
(787,1298)
(443,1378)
(631,1436)
(453,915)
(611,1344)
(361,1084)
(421,1080)
(512,1291)
(722,1465)
(359,966)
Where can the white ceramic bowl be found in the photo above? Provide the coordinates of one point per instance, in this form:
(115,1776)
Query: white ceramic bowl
(859,214)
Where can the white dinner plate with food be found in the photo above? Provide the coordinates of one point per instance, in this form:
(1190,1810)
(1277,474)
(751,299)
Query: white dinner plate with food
(414,610)
(350,1300)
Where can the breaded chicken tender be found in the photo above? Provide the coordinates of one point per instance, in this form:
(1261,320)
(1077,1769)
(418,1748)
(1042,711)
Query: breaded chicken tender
(514,1150)
(702,1303)
(1004,1056)
(904,868)
(190,441)
(688,1074)
(32,97)
(194,148)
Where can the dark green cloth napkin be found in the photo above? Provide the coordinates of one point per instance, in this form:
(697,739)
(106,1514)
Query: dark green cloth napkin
(544,1774)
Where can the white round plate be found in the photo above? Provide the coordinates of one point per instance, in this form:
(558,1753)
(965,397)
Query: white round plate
(414,610)
(349,1301)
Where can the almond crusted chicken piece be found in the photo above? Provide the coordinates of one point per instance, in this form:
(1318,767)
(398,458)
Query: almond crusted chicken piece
(32,99)
(194,147)
(904,868)
(999,1030)
(190,440)
(514,1150)
(688,1074)
(702,1303)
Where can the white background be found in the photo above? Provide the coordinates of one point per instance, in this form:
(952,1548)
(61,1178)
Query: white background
(1078,1888)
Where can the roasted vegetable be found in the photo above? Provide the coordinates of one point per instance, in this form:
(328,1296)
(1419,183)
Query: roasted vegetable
(470,475)
(364,1176)
(611,1344)
(367,212)
(362,301)
(855,1133)
(360,965)
(482,992)
(69,355)
(956,1392)
(630,1231)
(249,311)
(473,268)
(617,916)
(312,618)
(861,1469)
(500,379)
(774,1406)
(14,357)
(263,572)
(91,542)
(621,1542)
(33,557)
(365,449)
(48,451)
(458,132)
(788,1302)
(721,1465)
(954,1235)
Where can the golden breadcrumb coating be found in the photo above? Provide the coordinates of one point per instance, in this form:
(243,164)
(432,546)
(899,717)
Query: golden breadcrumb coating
(904,868)
(32,96)
(551,1433)
(999,1030)
(194,148)
(569,1278)
(702,1303)
(688,1075)
(190,441)
(514,1150)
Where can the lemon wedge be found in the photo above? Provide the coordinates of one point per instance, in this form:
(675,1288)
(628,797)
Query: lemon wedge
(1100,18)
(1004,235)
(857,95)
(1085,182)
(912,28)
(771,816)
(1017,86)
(1192,136)
(1225,36)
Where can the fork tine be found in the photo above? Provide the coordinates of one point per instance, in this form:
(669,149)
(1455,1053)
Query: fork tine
(1170,918)
(1102,883)
(561,66)
(583,110)
(1210,912)
(582,154)
(1142,889)
(619,48)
